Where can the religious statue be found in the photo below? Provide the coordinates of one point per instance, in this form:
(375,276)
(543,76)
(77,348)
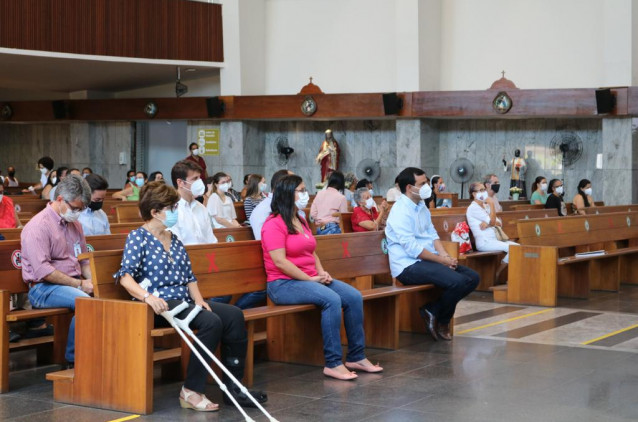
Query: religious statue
(328,156)
(517,168)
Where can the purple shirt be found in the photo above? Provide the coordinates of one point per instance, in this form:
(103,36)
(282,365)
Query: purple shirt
(49,243)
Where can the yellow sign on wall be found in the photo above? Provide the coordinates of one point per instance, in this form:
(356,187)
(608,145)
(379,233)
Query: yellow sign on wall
(208,141)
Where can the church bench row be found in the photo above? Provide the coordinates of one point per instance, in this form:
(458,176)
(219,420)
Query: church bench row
(114,347)
(545,265)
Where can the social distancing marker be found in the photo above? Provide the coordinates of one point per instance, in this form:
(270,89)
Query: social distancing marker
(492,324)
(594,340)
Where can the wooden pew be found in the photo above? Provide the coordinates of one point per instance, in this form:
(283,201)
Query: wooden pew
(31,205)
(611,208)
(528,206)
(544,266)
(114,356)
(50,349)
(128,212)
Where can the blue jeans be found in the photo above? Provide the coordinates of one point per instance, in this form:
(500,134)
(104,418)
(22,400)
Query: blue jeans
(330,298)
(48,295)
(456,284)
(246,301)
(330,228)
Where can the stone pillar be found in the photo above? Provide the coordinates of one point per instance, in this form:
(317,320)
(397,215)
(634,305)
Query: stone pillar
(618,182)
(418,145)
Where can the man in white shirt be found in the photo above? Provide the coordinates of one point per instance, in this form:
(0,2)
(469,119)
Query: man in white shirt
(193,223)
(93,219)
(492,187)
(417,256)
(262,210)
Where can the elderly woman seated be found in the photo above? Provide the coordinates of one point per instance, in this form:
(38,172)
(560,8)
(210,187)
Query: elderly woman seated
(365,216)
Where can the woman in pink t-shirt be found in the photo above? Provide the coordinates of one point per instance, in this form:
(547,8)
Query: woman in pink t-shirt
(295,276)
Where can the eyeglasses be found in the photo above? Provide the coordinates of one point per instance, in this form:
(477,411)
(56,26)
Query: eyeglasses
(302,190)
(74,209)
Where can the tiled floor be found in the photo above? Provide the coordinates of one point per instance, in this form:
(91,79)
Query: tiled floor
(525,369)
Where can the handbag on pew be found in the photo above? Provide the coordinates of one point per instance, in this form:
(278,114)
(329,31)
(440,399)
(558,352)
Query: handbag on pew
(500,234)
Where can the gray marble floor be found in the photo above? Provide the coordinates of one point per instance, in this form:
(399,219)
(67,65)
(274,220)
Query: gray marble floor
(482,375)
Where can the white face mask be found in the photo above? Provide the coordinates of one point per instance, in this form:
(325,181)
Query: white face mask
(559,190)
(481,196)
(44,170)
(195,152)
(302,202)
(1,196)
(198,188)
(544,187)
(370,203)
(70,216)
(54,180)
(588,191)
(371,192)
(224,187)
(425,191)
(442,187)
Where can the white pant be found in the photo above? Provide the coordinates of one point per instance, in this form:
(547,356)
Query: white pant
(489,245)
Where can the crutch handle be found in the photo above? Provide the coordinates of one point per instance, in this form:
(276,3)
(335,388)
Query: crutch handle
(169,315)
(184,323)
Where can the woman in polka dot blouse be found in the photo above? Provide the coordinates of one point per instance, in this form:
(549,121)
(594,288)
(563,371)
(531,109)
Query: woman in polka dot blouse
(156,270)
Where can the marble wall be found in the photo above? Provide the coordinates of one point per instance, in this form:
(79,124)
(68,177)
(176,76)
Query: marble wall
(486,142)
(95,145)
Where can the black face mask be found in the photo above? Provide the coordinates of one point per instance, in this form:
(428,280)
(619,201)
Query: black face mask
(95,206)
(12,173)
(495,187)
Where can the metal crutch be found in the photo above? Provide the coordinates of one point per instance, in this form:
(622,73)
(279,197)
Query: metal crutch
(181,326)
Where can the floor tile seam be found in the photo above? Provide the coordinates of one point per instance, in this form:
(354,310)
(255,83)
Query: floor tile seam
(61,406)
(561,344)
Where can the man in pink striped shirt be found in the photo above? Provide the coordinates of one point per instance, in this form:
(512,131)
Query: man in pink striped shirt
(51,242)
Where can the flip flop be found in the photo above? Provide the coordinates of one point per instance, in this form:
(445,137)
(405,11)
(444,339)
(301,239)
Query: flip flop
(355,366)
(329,372)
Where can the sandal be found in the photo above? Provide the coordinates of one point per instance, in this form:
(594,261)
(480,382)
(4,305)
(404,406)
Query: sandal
(356,366)
(330,372)
(202,406)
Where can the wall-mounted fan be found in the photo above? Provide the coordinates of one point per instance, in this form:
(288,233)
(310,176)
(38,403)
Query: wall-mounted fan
(568,147)
(461,171)
(368,169)
(283,151)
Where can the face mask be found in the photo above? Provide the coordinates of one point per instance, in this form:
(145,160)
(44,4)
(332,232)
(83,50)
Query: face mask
(132,179)
(544,187)
(54,180)
(12,173)
(195,152)
(44,170)
(70,216)
(442,187)
(1,196)
(495,187)
(588,191)
(84,175)
(559,190)
(425,191)
(302,202)
(262,187)
(95,206)
(481,196)
(171,218)
(139,182)
(198,188)
(370,203)
(224,187)
(371,192)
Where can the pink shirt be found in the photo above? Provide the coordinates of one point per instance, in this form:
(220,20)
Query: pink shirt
(49,243)
(326,203)
(299,248)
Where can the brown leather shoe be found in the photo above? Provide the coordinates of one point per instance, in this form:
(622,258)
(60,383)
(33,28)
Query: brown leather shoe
(443,332)
(430,322)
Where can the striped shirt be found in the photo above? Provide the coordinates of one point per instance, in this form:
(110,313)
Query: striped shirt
(49,243)
(250,204)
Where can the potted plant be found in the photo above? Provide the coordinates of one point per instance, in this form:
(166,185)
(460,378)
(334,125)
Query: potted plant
(515,192)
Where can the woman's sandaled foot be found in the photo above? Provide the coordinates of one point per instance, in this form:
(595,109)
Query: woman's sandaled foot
(339,372)
(364,365)
(191,400)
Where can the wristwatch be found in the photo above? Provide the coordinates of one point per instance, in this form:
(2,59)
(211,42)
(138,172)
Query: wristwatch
(147,294)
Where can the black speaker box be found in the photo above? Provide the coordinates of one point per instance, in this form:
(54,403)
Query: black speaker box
(215,107)
(60,109)
(605,101)
(392,103)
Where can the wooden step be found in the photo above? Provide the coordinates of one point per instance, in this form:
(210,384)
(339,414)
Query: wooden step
(161,332)
(64,375)
(30,342)
(260,337)
(500,293)
(167,355)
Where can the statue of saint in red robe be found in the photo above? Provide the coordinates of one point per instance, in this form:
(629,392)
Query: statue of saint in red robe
(328,156)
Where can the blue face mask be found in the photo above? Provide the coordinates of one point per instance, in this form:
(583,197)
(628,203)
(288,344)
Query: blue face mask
(132,179)
(171,218)
(139,182)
